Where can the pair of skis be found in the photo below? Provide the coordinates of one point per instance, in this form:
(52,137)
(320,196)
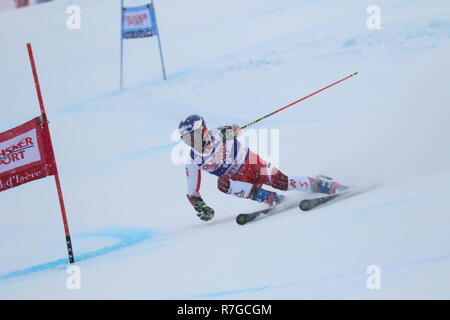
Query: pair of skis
(304,205)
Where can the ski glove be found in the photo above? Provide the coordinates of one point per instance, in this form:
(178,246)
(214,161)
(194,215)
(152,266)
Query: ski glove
(205,213)
(229,133)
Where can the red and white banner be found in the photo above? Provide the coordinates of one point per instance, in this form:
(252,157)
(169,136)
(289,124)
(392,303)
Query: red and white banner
(26,154)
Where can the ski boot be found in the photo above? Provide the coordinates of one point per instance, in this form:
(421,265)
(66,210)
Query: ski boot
(262,195)
(324,184)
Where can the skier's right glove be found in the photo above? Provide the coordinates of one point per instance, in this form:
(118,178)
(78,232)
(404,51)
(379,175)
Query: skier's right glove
(229,132)
(205,213)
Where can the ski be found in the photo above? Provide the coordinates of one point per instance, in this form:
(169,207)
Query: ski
(304,205)
(287,203)
(243,218)
(309,204)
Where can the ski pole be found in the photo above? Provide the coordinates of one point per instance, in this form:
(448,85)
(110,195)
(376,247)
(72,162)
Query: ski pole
(295,102)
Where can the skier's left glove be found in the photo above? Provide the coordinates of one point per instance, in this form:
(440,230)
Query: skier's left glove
(204,212)
(229,132)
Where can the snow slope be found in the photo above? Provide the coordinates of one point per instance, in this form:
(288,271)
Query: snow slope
(134,233)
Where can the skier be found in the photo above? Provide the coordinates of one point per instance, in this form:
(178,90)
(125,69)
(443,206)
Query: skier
(240,171)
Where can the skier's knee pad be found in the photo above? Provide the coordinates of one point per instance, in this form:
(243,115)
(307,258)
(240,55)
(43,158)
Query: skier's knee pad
(237,188)
(240,189)
(279,180)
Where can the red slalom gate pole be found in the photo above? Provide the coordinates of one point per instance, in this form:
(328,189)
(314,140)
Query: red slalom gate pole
(57,182)
(295,102)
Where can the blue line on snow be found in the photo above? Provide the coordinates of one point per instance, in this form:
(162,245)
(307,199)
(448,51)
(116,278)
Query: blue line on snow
(127,237)
(82,105)
(302,283)
(363,213)
(85,169)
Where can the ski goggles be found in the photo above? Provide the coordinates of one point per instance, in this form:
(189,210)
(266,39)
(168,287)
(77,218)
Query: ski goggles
(195,137)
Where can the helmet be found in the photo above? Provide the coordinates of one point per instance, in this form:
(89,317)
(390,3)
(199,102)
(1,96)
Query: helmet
(192,130)
(190,124)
